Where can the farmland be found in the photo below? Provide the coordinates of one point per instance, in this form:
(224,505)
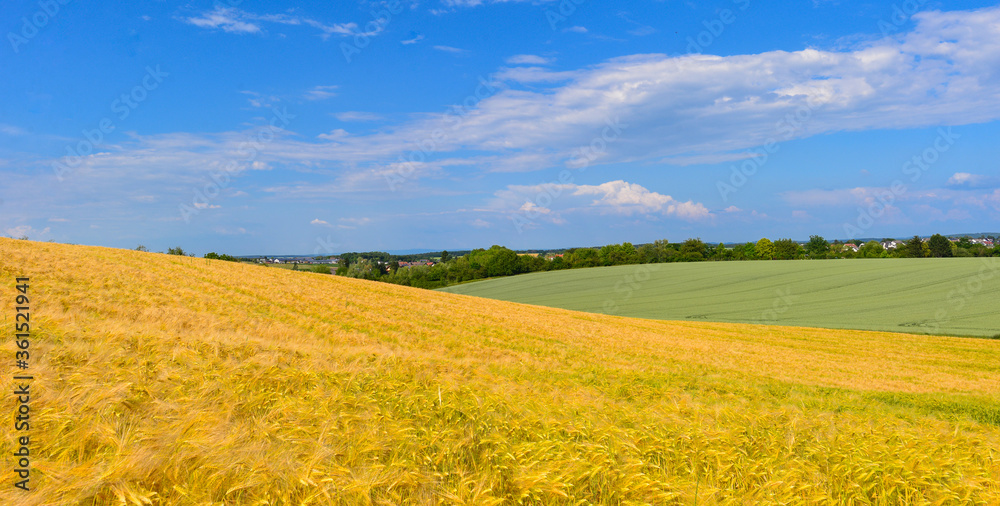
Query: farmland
(955,296)
(175,380)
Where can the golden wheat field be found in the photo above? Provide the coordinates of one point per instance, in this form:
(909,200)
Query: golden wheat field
(173,380)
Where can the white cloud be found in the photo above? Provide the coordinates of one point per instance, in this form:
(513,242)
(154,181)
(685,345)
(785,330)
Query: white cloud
(259,100)
(321,93)
(480,223)
(972,180)
(357,116)
(12,130)
(575,29)
(320,222)
(352,223)
(230,231)
(226,19)
(621,197)
(614,197)
(26,231)
(529,59)
(334,135)
(233,20)
(449,49)
(414,40)
(690,109)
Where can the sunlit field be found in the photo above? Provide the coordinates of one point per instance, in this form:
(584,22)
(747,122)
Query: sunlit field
(953,296)
(174,380)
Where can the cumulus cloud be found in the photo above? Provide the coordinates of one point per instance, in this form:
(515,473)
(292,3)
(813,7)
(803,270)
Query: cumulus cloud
(553,200)
(680,110)
(621,197)
(965,179)
(319,222)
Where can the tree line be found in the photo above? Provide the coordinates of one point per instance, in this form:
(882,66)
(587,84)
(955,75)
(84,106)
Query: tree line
(499,261)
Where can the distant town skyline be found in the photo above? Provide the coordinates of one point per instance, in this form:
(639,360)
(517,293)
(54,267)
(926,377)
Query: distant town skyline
(248,127)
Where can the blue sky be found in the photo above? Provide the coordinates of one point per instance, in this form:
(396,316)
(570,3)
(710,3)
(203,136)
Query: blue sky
(263,127)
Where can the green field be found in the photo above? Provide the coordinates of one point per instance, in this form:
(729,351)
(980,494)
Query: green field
(955,296)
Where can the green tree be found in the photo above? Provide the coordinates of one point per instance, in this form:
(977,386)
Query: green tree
(583,257)
(501,261)
(871,249)
(764,250)
(721,253)
(647,254)
(693,250)
(915,247)
(786,249)
(445,256)
(176,251)
(939,246)
(663,250)
(744,251)
(619,254)
(141,248)
(818,247)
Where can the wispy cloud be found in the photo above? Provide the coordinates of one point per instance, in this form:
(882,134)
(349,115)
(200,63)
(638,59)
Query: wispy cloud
(449,49)
(357,116)
(681,110)
(233,20)
(321,93)
(228,20)
(12,130)
(529,59)
(413,40)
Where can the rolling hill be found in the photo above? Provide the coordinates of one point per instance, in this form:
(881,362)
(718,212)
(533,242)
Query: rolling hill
(172,380)
(954,296)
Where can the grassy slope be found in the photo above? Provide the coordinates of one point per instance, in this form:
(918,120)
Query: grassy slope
(184,381)
(935,296)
